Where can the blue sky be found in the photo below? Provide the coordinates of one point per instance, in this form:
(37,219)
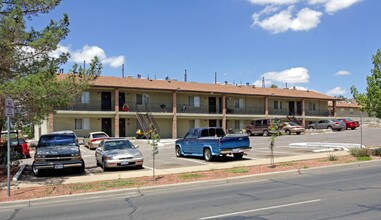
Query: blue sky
(322,45)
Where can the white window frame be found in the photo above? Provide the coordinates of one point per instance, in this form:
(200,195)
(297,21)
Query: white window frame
(82,124)
(85,97)
(278,105)
(194,101)
(312,106)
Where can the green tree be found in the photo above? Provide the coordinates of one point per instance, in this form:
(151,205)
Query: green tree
(28,73)
(371,100)
(274,86)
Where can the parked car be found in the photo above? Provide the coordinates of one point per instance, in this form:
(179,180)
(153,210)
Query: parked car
(349,123)
(211,142)
(292,127)
(93,139)
(261,126)
(118,152)
(17,144)
(21,145)
(328,124)
(56,152)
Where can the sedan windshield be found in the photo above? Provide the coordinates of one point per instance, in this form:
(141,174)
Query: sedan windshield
(118,145)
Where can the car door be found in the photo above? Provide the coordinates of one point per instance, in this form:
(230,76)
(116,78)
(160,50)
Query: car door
(99,152)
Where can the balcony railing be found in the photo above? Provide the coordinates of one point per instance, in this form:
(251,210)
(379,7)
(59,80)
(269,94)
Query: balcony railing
(185,108)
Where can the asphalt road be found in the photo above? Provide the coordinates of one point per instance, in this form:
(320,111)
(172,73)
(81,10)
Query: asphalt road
(166,158)
(338,193)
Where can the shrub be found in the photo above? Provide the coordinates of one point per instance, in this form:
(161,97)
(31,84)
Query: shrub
(360,152)
(376,151)
(332,157)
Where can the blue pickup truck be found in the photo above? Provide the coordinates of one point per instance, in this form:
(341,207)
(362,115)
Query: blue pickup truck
(211,142)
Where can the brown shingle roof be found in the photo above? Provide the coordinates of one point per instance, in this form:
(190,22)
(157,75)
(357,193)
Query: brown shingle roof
(172,85)
(345,105)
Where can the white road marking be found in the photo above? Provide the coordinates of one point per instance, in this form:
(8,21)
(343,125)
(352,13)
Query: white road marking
(262,209)
(191,160)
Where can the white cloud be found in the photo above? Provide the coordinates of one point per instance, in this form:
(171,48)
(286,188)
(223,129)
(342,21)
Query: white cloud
(293,75)
(275,2)
(336,91)
(60,49)
(343,73)
(114,62)
(279,16)
(87,53)
(283,21)
(332,6)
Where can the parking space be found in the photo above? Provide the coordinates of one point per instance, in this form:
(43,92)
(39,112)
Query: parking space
(166,158)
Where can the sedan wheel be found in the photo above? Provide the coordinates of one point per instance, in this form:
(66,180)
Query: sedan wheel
(288,132)
(104,165)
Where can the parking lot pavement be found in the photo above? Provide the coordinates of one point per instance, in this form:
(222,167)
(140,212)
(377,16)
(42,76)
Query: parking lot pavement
(166,158)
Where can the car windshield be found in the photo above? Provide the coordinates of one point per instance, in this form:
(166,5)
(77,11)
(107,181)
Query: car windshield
(100,135)
(118,145)
(348,119)
(59,140)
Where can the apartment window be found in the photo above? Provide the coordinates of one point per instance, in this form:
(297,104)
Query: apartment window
(278,105)
(239,103)
(85,98)
(82,124)
(351,111)
(142,99)
(312,106)
(194,101)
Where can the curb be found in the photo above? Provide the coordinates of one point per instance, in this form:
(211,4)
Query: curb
(133,192)
(19,173)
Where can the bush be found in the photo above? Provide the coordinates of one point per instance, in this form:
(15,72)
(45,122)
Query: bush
(376,151)
(360,152)
(332,157)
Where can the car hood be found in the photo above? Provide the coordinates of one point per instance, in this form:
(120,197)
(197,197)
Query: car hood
(118,152)
(57,150)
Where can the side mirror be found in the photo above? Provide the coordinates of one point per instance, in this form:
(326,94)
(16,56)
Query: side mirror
(136,146)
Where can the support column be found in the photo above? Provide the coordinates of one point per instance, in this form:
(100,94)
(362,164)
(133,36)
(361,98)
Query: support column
(116,124)
(174,111)
(303,114)
(334,108)
(266,106)
(50,123)
(224,126)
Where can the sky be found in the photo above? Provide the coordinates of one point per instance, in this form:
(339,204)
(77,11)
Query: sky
(320,45)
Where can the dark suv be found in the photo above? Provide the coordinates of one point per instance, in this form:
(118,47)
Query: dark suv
(261,126)
(57,152)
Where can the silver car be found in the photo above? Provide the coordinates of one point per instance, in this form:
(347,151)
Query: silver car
(328,124)
(118,152)
(93,139)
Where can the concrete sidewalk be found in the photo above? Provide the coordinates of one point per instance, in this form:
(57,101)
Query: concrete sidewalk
(148,172)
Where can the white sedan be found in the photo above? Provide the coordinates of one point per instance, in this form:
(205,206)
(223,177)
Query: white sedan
(118,152)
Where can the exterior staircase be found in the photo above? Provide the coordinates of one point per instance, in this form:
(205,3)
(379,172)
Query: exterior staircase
(146,120)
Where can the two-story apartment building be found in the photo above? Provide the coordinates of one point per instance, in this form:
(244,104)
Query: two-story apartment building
(113,105)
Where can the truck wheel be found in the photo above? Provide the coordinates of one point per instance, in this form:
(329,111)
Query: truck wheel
(81,169)
(265,133)
(249,133)
(208,155)
(288,132)
(178,151)
(36,171)
(238,156)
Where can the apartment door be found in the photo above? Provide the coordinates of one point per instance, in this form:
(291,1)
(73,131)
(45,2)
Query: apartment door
(291,108)
(220,105)
(122,99)
(106,126)
(299,108)
(212,105)
(106,101)
(122,127)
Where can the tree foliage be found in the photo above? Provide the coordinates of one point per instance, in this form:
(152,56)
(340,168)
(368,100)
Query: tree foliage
(28,73)
(371,100)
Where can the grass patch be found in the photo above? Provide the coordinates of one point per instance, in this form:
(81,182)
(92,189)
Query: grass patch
(306,167)
(332,158)
(238,170)
(187,176)
(363,158)
(103,185)
(288,163)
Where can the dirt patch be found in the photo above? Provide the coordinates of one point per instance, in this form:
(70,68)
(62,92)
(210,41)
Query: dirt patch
(68,189)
